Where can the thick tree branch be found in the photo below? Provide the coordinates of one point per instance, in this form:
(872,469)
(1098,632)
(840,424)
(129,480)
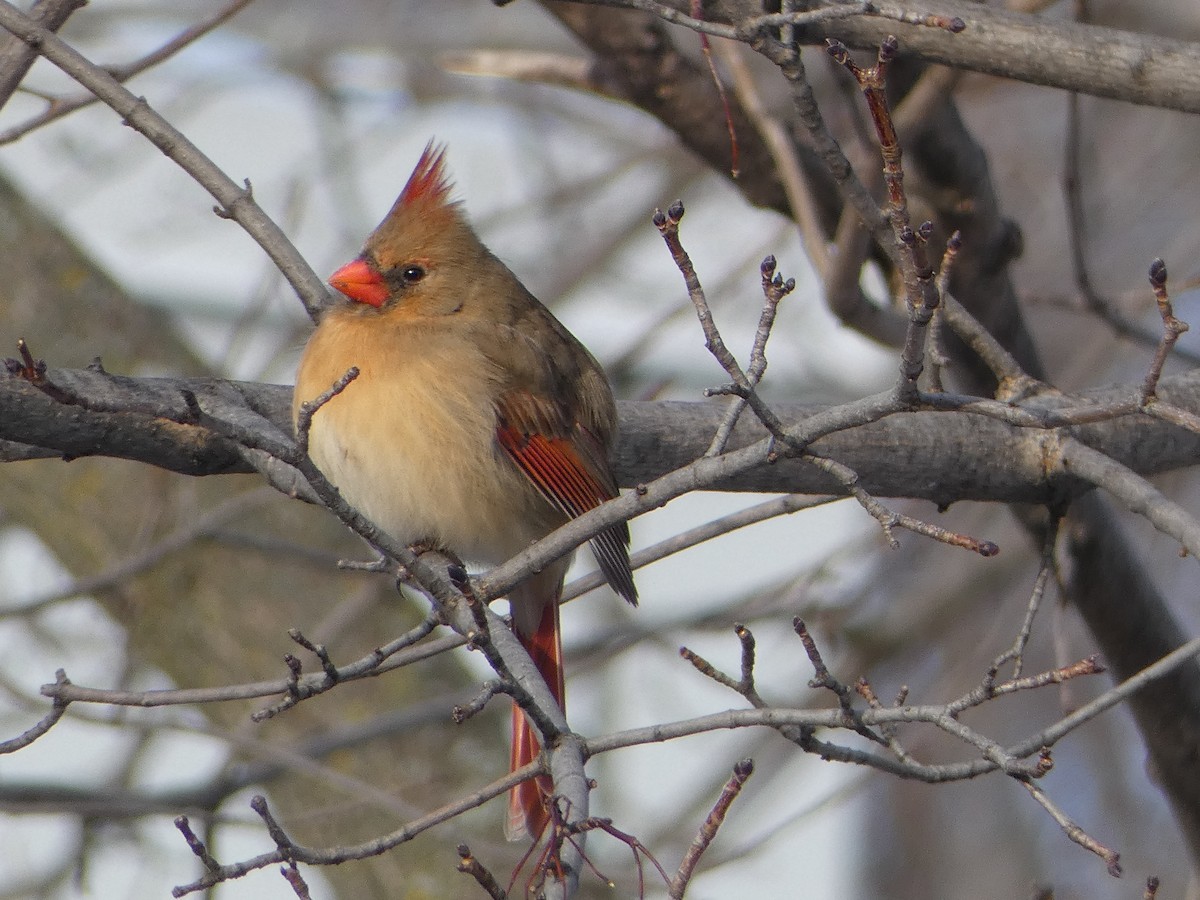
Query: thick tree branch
(940,456)
(1088,59)
(1107,578)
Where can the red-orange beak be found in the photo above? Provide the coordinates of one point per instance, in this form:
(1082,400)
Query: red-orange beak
(360,282)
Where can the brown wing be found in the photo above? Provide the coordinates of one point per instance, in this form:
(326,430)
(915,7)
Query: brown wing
(567,464)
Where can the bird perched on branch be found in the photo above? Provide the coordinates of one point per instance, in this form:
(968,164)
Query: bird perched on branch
(477,423)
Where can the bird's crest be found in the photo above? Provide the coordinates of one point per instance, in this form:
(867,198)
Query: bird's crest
(429,185)
(424,208)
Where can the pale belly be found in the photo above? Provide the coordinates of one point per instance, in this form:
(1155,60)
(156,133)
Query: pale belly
(414,450)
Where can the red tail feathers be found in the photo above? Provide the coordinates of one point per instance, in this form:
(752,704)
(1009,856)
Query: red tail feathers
(528,802)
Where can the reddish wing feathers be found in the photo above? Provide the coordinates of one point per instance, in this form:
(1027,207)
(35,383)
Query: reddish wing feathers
(554,466)
(557,468)
(568,464)
(560,472)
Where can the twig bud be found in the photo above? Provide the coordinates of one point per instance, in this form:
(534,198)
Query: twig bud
(1158,273)
(837,50)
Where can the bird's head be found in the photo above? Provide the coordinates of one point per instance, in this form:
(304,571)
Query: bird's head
(418,261)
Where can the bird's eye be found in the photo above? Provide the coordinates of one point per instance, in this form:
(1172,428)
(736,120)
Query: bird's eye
(412,274)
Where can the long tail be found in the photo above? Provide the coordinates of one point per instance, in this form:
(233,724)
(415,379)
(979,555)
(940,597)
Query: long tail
(527,802)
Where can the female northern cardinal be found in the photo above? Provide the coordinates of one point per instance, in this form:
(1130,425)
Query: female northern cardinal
(477,423)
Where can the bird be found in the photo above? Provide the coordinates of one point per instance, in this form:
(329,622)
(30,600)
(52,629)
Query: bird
(477,423)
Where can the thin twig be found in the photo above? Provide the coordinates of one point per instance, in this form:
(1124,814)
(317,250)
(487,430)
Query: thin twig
(1073,191)
(888,730)
(935,350)
(382,659)
(309,408)
(1016,653)
(483,877)
(668,226)
(234,201)
(760,512)
(743,685)
(801,199)
(1169,412)
(1111,857)
(1133,491)
(197,846)
(774,290)
(364,849)
(759,23)
(791,66)
(889,519)
(1089,665)
(29,735)
(993,758)
(708,831)
(16,58)
(1172,329)
(62,106)
(1012,380)
(291,874)
(921,295)
(821,676)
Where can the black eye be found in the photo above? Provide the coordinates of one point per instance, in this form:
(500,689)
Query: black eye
(412,274)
